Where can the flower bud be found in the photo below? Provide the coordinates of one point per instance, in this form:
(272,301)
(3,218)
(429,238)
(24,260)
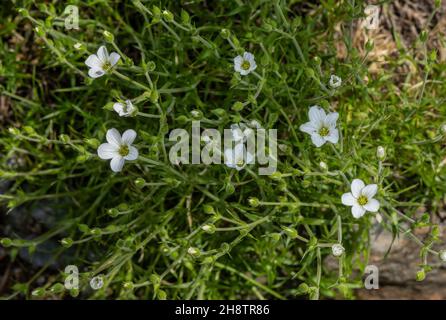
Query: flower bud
(57,288)
(238,106)
(337,250)
(23,12)
(39,292)
(168,16)
(6,242)
(66,242)
(225,33)
(442,255)
(254,202)
(40,31)
(194,252)
(64,138)
(208,228)
(140,182)
(79,46)
(369,45)
(128,285)
(323,166)
(196,114)
(108,36)
(381,153)
(185,18)
(208,209)
(421,275)
(290,232)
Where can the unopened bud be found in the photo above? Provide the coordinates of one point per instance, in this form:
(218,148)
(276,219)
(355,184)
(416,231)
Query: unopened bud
(253,202)
(381,153)
(337,250)
(195,252)
(442,255)
(108,36)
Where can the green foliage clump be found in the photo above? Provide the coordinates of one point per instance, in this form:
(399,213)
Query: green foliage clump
(158,230)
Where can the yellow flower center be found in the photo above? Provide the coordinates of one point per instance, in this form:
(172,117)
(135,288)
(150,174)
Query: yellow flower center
(363,200)
(323,132)
(245,65)
(123,150)
(106,66)
(240,162)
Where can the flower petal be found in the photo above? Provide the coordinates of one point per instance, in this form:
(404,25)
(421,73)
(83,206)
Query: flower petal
(333,136)
(133,154)
(249,158)
(129,136)
(357,185)
(348,199)
(103,54)
(358,211)
(113,137)
(253,66)
(331,119)
(117,163)
(248,56)
(316,115)
(308,127)
(96,72)
(237,63)
(372,205)
(370,190)
(93,61)
(317,140)
(114,58)
(119,108)
(239,150)
(107,151)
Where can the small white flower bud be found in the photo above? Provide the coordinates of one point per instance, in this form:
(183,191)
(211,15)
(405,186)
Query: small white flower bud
(381,153)
(209,228)
(337,250)
(443,129)
(193,251)
(442,255)
(79,46)
(255,124)
(323,165)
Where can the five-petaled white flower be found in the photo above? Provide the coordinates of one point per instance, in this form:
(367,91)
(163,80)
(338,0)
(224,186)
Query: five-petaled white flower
(361,198)
(124,110)
(240,132)
(335,81)
(238,157)
(101,62)
(118,148)
(321,127)
(245,64)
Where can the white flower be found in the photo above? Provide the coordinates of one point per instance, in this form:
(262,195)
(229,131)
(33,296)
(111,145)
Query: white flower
(321,127)
(361,198)
(337,250)
(442,255)
(118,149)
(238,157)
(240,132)
(335,81)
(97,282)
(245,64)
(124,110)
(101,62)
